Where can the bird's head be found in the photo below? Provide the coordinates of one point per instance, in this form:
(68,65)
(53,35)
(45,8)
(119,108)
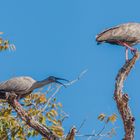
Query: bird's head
(56,80)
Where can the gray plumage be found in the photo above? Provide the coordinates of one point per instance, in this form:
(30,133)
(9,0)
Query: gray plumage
(24,85)
(128,33)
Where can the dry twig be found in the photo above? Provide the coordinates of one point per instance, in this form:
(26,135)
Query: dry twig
(60,86)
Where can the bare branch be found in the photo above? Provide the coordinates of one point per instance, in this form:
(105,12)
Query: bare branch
(82,124)
(60,86)
(122,99)
(50,99)
(102,129)
(78,78)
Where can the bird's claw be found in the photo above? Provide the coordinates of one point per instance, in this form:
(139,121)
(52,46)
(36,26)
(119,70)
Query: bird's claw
(134,51)
(7,95)
(127,60)
(10,94)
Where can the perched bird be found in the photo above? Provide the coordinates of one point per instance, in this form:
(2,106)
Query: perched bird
(126,35)
(23,86)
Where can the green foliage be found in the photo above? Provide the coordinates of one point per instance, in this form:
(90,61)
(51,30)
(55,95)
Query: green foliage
(103,117)
(46,111)
(11,126)
(5,44)
(106,119)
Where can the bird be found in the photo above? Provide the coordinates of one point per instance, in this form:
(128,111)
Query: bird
(126,35)
(24,85)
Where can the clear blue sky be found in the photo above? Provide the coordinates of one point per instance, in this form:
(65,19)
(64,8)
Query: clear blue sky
(57,37)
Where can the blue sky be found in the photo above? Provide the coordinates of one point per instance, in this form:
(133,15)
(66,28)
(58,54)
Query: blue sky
(57,37)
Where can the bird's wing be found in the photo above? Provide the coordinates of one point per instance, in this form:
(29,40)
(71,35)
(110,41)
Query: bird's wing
(129,32)
(17,84)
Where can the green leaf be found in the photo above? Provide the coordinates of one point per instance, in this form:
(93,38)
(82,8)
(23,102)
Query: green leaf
(101,117)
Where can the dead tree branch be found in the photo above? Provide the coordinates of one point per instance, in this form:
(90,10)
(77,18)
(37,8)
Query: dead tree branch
(122,99)
(43,130)
(71,134)
(60,86)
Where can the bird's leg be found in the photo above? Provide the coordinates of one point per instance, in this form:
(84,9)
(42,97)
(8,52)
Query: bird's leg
(18,97)
(126,54)
(7,95)
(10,94)
(126,49)
(13,97)
(133,50)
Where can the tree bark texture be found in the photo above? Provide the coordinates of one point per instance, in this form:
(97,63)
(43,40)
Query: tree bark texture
(43,130)
(122,98)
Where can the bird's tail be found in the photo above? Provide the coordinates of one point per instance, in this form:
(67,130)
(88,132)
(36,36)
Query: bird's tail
(2,94)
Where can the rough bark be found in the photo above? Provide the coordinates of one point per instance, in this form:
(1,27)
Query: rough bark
(122,99)
(43,130)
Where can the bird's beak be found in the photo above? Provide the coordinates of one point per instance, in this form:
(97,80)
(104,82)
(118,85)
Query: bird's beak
(57,81)
(62,79)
